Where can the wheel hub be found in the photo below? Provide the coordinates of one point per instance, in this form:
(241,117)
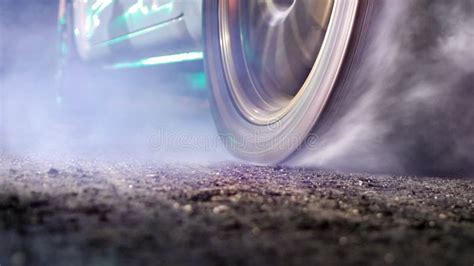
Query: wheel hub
(283,4)
(270,48)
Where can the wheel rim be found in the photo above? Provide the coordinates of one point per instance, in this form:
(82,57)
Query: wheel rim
(269,49)
(270,136)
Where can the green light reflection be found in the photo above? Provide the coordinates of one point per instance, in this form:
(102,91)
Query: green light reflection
(142,15)
(145,10)
(160,60)
(197,81)
(132,35)
(93,15)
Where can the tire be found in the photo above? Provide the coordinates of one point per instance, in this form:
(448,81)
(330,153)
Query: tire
(262,113)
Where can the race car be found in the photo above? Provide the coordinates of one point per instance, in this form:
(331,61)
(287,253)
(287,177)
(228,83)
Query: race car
(278,70)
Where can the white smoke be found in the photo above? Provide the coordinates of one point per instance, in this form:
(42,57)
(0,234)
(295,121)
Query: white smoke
(415,113)
(119,116)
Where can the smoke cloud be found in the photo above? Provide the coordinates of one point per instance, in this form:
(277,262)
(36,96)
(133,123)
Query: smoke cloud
(149,115)
(415,113)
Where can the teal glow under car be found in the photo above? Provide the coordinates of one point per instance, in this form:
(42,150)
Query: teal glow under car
(272,66)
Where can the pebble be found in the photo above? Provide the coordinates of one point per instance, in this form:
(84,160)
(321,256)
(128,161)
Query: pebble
(18,259)
(343,240)
(53,172)
(220,209)
(255,230)
(188,208)
(389,258)
(236,198)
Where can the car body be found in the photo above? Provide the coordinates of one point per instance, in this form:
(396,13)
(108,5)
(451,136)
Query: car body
(132,31)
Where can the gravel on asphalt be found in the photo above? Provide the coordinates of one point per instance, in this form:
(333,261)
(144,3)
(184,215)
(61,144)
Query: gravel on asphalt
(97,213)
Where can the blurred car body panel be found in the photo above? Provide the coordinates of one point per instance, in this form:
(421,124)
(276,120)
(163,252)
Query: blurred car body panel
(124,29)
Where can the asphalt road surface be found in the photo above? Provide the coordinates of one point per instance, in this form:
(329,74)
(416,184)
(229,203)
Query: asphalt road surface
(95,213)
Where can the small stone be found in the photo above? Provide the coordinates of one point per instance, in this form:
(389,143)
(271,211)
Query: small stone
(343,240)
(389,258)
(188,208)
(236,198)
(256,230)
(220,209)
(18,258)
(53,172)
(442,216)
(379,215)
